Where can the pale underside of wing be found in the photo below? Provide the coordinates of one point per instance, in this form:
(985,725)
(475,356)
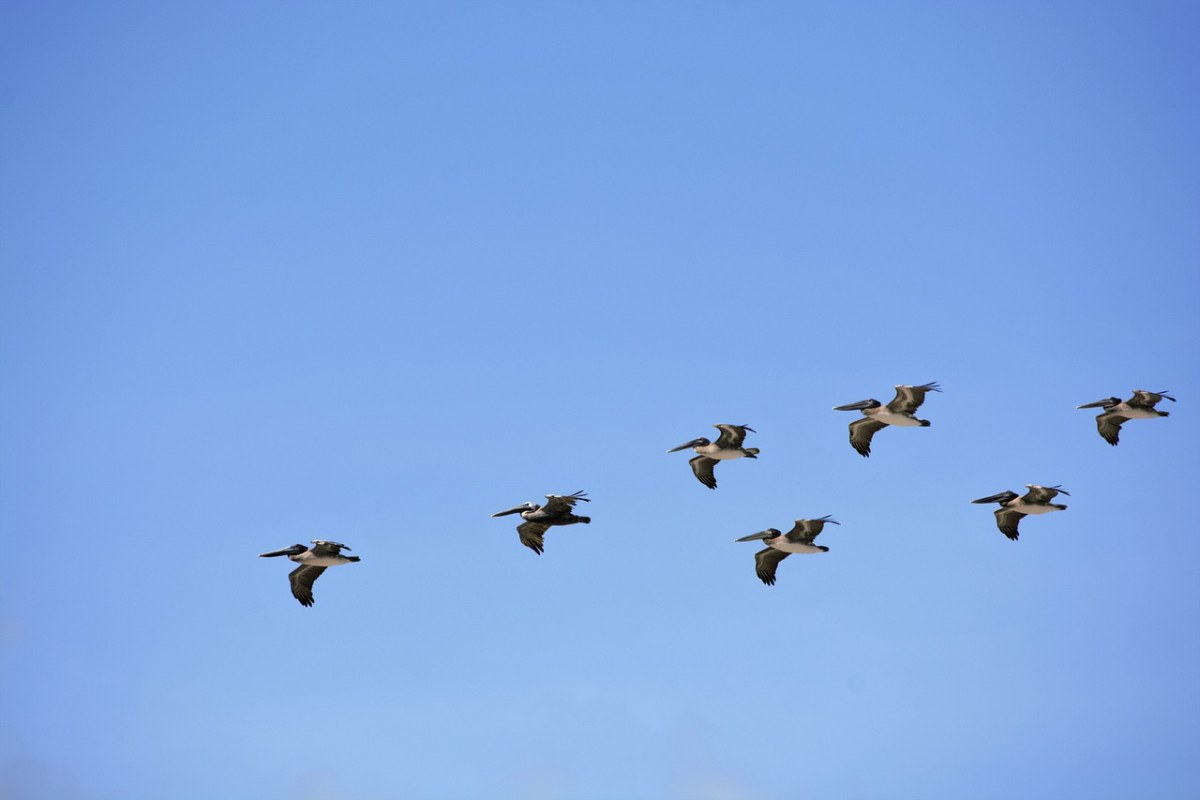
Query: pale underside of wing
(1109,426)
(703,467)
(861,431)
(531,535)
(302,579)
(1006,521)
(765,562)
(731,437)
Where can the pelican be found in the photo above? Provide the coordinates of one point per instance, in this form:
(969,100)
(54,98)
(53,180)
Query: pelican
(538,519)
(780,545)
(313,561)
(728,445)
(877,416)
(1014,507)
(1116,413)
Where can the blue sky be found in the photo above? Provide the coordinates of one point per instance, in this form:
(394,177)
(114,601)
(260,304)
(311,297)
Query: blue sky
(371,272)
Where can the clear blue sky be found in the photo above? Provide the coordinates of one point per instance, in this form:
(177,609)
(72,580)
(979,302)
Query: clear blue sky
(372,271)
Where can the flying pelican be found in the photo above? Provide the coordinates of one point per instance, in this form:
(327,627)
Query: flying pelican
(1014,507)
(538,519)
(1116,413)
(877,416)
(313,561)
(780,545)
(728,445)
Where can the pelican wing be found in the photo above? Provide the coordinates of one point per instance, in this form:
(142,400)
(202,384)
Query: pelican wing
(732,436)
(302,579)
(806,530)
(861,431)
(1109,426)
(1006,521)
(562,503)
(703,467)
(765,562)
(321,547)
(1143,399)
(1038,495)
(909,398)
(531,535)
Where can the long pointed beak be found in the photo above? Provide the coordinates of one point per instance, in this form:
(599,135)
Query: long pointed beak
(859,406)
(1098,404)
(512,510)
(287,551)
(767,534)
(995,498)
(684,446)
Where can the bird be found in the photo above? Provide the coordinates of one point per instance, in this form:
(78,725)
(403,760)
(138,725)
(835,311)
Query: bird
(877,416)
(559,510)
(313,561)
(1014,507)
(728,445)
(780,545)
(1117,413)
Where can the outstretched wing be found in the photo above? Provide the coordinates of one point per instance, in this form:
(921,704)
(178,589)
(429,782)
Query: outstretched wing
(1006,521)
(909,398)
(703,467)
(531,535)
(808,529)
(1109,426)
(563,503)
(732,436)
(765,562)
(1042,494)
(302,579)
(321,547)
(861,431)
(1143,399)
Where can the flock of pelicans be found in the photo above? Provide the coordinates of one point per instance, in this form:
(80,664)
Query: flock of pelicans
(901,412)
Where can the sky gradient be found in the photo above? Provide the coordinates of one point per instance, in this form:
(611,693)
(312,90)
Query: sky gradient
(373,271)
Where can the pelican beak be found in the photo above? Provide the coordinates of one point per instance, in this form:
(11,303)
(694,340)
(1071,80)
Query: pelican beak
(859,406)
(287,551)
(767,534)
(513,510)
(1105,403)
(995,498)
(685,446)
